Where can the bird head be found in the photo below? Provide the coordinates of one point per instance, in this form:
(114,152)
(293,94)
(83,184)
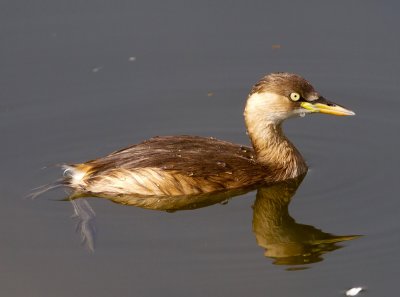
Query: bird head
(279,96)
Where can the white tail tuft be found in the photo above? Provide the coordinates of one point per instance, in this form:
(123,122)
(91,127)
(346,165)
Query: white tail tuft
(74,175)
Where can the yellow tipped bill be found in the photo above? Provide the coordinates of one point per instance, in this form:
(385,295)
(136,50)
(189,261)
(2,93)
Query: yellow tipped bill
(324,106)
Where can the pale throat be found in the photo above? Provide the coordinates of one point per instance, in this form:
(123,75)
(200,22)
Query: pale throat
(272,147)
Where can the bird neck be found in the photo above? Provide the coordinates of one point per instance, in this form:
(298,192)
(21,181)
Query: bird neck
(275,151)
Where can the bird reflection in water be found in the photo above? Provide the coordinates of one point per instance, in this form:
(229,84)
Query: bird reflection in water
(284,240)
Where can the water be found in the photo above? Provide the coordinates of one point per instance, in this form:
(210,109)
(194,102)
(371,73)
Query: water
(194,65)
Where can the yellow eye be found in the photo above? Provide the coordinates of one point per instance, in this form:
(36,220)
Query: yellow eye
(295,96)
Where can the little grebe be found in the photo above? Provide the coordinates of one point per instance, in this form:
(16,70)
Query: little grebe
(192,165)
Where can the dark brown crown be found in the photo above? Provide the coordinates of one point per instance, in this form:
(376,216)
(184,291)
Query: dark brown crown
(284,83)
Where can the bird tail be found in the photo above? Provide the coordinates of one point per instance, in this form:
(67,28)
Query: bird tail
(74,174)
(72,179)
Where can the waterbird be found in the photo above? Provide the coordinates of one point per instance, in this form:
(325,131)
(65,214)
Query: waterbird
(193,165)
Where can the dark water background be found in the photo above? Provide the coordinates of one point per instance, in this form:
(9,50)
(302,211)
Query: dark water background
(79,80)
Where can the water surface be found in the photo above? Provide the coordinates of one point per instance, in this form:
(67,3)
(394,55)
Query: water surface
(71,91)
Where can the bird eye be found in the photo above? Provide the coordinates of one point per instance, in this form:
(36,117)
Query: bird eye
(295,96)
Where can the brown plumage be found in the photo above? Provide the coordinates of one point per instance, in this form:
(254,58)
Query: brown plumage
(283,83)
(173,165)
(192,165)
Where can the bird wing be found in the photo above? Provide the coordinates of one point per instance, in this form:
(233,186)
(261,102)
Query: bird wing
(190,155)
